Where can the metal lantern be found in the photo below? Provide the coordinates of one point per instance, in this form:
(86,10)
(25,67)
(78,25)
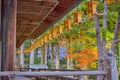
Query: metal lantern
(45,39)
(49,37)
(108,1)
(41,41)
(89,4)
(67,24)
(92,5)
(53,33)
(59,29)
(78,17)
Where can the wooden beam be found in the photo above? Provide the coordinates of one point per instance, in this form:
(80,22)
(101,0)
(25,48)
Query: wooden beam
(35,13)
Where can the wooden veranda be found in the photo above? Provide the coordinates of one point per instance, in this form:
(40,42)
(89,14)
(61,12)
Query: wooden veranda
(22,20)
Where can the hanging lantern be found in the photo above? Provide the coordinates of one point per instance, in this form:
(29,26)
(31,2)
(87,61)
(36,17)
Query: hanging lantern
(108,1)
(89,4)
(35,45)
(53,33)
(78,17)
(18,51)
(92,5)
(41,41)
(111,1)
(45,39)
(25,51)
(59,29)
(67,24)
(49,37)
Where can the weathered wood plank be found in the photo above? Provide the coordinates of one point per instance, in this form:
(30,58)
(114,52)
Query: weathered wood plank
(55,73)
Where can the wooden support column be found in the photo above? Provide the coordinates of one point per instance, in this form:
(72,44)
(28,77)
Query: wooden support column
(69,63)
(22,56)
(111,67)
(32,55)
(57,56)
(41,54)
(53,63)
(8,23)
(0,38)
(44,55)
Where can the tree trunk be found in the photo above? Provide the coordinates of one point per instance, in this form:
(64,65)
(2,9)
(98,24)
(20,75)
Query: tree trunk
(117,29)
(104,51)
(99,45)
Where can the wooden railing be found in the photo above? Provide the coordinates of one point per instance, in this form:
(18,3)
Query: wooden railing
(13,74)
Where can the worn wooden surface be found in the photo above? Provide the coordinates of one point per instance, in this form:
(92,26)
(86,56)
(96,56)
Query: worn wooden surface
(8,22)
(54,73)
(111,67)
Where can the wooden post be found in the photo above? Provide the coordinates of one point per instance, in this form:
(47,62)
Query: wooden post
(8,23)
(32,55)
(0,55)
(45,54)
(111,67)
(57,56)
(69,63)
(53,63)
(0,38)
(41,54)
(22,56)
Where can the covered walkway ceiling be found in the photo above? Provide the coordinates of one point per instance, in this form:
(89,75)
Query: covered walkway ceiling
(34,17)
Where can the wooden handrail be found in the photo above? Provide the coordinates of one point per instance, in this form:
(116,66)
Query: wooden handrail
(53,73)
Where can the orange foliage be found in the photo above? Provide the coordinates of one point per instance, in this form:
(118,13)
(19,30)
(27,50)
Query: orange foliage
(86,58)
